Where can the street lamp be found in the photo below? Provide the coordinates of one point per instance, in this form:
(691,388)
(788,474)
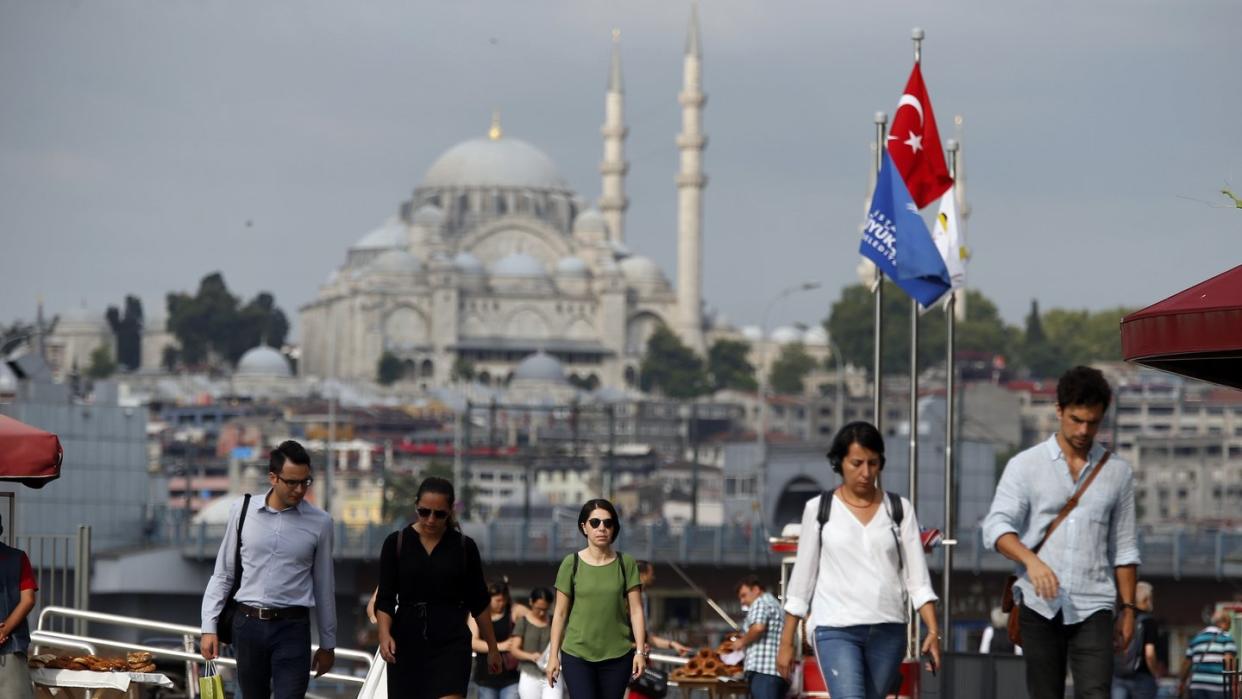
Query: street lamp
(761,440)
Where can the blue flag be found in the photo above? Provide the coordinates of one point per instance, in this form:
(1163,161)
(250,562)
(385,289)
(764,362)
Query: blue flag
(897,241)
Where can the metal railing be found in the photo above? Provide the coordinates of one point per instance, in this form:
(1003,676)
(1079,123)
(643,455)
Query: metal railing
(56,560)
(1177,553)
(189,635)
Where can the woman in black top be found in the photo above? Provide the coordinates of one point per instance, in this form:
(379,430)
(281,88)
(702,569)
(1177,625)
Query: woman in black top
(426,589)
(502,685)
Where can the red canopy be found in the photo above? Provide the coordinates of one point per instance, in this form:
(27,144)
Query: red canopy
(1195,333)
(28,455)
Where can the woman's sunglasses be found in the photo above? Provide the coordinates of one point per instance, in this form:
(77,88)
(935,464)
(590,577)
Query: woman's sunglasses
(596,523)
(427,512)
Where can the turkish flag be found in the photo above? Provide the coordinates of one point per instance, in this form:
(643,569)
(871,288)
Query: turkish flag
(914,144)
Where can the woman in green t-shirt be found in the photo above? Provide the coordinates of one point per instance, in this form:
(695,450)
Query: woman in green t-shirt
(599,612)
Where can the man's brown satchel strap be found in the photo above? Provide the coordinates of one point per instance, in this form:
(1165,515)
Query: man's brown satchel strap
(1073,501)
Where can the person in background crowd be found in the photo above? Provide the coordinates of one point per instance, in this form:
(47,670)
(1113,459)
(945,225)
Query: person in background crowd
(646,574)
(764,624)
(286,557)
(427,586)
(1135,669)
(17,598)
(995,637)
(599,612)
(1068,590)
(491,684)
(532,635)
(1203,670)
(858,574)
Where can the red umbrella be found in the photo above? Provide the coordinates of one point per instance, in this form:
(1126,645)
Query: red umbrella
(1195,333)
(28,455)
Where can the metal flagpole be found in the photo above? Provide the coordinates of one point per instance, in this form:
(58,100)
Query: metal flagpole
(913,629)
(881,124)
(950,312)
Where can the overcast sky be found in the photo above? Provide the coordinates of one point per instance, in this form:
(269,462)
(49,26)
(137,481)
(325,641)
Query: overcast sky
(138,138)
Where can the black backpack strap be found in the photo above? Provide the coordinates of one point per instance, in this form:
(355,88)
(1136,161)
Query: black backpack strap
(573,575)
(237,559)
(825,510)
(894,501)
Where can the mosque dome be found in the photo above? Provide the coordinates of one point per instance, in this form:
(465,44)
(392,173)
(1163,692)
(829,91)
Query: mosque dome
(590,221)
(786,334)
(81,316)
(467,263)
(396,262)
(494,162)
(752,333)
(816,336)
(263,361)
(390,234)
(519,264)
(572,267)
(641,269)
(428,216)
(540,366)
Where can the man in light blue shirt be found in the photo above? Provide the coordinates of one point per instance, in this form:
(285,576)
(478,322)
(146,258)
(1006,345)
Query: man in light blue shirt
(286,557)
(1068,591)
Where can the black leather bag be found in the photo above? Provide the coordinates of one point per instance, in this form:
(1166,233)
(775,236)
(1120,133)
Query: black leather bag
(224,625)
(652,684)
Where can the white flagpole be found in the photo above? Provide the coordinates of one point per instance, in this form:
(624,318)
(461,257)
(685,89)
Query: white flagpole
(913,629)
(950,402)
(881,123)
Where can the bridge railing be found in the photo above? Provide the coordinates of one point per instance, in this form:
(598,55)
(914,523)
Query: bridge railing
(1181,552)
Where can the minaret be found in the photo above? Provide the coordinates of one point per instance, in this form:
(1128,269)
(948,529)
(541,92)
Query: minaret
(690,184)
(612,201)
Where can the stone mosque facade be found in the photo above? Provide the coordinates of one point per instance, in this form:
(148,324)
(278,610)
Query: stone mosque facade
(494,258)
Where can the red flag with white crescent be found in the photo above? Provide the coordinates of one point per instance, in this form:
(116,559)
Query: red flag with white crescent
(914,144)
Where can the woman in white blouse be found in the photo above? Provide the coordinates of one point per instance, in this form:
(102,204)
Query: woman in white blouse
(858,576)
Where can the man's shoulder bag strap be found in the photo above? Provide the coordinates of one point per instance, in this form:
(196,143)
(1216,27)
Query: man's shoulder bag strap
(237,557)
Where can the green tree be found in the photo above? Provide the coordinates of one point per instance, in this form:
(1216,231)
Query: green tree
(388,370)
(851,320)
(671,367)
(1044,359)
(212,323)
(170,358)
(127,329)
(102,365)
(728,366)
(259,322)
(790,369)
(463,369)
(1085,336)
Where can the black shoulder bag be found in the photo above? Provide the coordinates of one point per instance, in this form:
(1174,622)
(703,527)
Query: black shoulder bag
(224,625)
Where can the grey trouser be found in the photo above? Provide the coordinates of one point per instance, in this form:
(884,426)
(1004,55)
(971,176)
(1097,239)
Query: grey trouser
(15,677)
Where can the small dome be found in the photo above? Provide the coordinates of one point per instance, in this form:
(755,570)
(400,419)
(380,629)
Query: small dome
(428,216)
(467,263)
(396,262)
(786,334)
(572,267)
(641,269)
(619,249)
(816,336)
(752,333)
(263,361)
(82,315)
(590,221)
(390,234)
(499,162)
(539,366)
(519,264)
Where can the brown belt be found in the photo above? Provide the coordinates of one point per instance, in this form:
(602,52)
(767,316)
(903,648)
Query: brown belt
(273,614)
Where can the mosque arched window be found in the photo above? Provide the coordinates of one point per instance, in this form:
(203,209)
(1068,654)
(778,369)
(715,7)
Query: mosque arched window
(485,378)
(408,369)
(426,369)
(631,376)
(499,205)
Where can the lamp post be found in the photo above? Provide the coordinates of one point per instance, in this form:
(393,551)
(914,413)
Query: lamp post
(761,439)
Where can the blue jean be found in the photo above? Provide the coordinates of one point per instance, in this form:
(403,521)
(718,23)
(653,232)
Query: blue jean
(273,657)
(765,686)
(1140,686)
(510,692)
(861,662)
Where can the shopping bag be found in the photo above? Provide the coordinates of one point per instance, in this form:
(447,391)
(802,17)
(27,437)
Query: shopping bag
(210,686)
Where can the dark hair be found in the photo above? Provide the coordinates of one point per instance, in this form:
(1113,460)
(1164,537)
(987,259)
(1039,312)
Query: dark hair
(542,593)
(1083,385)
(864,434)
(288,450)
(599,504)
(751,580)
(439,486)
(645,567)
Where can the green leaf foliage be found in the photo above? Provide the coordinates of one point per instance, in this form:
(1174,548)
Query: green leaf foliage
(728,366)
(790,369)
(672,368)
